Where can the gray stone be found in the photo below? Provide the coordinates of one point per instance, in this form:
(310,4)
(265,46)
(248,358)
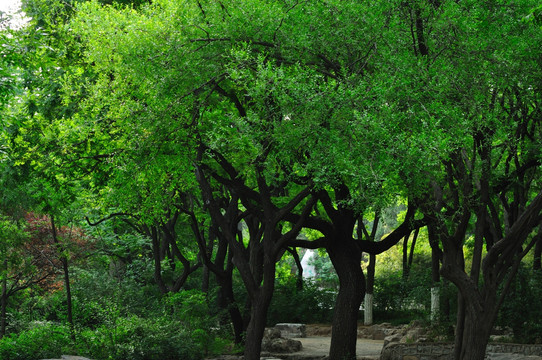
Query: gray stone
(272,333)
(291,330)
(281,345)
(392,339)
(496,356)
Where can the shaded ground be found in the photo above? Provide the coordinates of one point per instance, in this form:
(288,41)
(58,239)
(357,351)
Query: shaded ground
(318,346)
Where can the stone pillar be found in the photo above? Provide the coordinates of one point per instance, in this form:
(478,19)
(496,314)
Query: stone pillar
(368,312)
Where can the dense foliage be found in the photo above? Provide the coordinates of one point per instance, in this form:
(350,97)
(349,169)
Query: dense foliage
(162,163)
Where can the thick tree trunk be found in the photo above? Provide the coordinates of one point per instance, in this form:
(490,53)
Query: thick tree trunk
(346,259)
(459,327)
(476,331)
(255,330)
(258,313)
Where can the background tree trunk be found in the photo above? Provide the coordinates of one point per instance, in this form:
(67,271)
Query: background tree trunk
(368,303)
(65,269)
(4,303)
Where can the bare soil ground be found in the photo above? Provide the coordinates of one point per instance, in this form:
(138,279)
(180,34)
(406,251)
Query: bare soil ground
(318,346)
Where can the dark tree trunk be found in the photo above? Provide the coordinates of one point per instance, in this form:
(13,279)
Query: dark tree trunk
(69,305)
(65,269)
(255,330)
(368,312)
(205,279)
(537,261)
(477,321)
(261,300)
(228,302)
(299,279)
(4,304)
(459,327)
(157,262)
(346,259)
(406,269)
(436,256)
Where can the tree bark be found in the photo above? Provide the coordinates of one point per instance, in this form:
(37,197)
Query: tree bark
(225,283)
(476,330)
(368,308)
(69,305)
(537,260)
(4,303)
(65,269)
(261,300)
(346,259)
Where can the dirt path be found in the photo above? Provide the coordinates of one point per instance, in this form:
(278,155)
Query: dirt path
(319,346)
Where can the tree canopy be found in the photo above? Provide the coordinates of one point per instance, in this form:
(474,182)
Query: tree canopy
(222,130)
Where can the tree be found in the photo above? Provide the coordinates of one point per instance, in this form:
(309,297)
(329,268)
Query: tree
(17,272)
(485,183)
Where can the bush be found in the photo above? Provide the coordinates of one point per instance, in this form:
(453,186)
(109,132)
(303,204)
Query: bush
(522,307)
(312,304)
(40,341)
(139,339)
(191,309)
(403,299)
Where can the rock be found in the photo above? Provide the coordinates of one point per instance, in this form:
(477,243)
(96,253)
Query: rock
(280,345)
(380,331)
(273,342)
(413,335)
(290,330)
(392,339)
(504,356)
(271,333)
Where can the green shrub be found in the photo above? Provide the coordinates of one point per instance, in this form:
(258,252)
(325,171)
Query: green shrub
(522,307)
(401,300)
(136,338)
(191,309)
(312,304)
(39,341)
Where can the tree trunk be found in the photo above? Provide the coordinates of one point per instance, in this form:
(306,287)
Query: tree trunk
(255,330)
(459,327)
(258,313)
(228,302)
(537,260)
(368,308)
(435,289)
(65,269)
(4,303)
(299,279)
(69,305)
(476,331)
(346,259)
